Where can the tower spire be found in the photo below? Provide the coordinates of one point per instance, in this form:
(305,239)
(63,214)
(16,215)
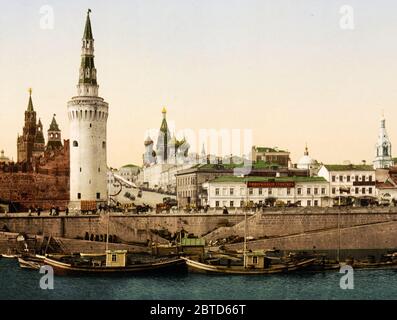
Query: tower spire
(30,103)
(87,29)
(88,76)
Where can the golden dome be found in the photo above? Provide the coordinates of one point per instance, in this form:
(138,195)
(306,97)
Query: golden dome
(164,110)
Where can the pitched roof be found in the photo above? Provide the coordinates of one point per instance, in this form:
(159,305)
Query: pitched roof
(54,124)
(348,167)
(267,179)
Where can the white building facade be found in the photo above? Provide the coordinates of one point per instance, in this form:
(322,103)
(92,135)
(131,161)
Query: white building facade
(356,181)
(88,115)
(236,192)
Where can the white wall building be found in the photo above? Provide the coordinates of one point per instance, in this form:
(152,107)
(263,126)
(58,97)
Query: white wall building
(231,191)
(88,115)
(357,180)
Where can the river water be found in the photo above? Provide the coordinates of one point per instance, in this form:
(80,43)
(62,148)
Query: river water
(16,283)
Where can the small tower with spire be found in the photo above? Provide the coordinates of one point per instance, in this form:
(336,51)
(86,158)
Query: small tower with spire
(54,136)
(163,139)
(26,142)
(88,114)
(383,157)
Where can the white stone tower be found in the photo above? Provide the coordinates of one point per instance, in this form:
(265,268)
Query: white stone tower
(88,115)
(383,158)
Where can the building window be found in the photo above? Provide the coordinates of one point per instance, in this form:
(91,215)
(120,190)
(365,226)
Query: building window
(79,195)
(232,204)
(217,191)
(309,203)
(370,178)
(309,190)
(251,191)
(255,260)
(260,191)
(75,143)
(363,190)
(90,123)
(299,191)
(315,190)
(333,190)
(370,190)
(363,178)
(80,169)
(356,191)
(99,169)
(114,258)
(98,195)
(231,191)
(316,203)
(241,203)
(340,178)
(348,178)
(217,204)
(333,178)
(288,191)
(103,144)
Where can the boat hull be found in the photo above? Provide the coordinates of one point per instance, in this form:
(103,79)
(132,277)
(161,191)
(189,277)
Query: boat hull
(62,268)
(195,266)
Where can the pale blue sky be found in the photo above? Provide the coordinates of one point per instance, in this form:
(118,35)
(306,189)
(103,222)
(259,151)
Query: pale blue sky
(282,68)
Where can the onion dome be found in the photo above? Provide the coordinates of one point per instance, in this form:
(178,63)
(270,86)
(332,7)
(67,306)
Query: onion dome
(148,141)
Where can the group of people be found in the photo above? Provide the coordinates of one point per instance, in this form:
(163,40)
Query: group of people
(54,211)
(36,210)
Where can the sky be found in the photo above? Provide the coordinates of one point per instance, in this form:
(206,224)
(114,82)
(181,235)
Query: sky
(284,69)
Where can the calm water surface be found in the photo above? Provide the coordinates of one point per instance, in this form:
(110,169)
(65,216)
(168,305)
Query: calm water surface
(16,283)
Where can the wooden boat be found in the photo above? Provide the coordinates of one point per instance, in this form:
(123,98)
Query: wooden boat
(9,256)
(33,262)
(115,262)
(196,266)
(92,254)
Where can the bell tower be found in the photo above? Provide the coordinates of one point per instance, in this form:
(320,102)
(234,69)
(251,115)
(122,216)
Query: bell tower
(383,157)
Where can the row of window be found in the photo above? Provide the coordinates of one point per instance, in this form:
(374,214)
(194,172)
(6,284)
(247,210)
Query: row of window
(185,194)
(355,190)
(98,195)
(76,144)
(260,191)
(231,204)
(356,178)
(185,181)
(88,115)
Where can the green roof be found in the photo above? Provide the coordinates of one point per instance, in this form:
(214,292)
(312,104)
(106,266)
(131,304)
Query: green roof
(255,165)
(267,179)
(87,29)
(267,149)
(348,167)
(130,166)
(193,242)
(54,125)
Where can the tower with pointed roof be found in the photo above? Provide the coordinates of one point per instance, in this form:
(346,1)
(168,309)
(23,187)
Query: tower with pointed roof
(383,157)
(149,155)
(31,143)
(163,139)
(54,136)
(88,115)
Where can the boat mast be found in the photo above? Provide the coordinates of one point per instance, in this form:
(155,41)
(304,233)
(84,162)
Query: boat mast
(245,226)
(107,232)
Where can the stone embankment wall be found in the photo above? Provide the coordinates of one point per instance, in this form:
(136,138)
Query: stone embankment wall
(310,226)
